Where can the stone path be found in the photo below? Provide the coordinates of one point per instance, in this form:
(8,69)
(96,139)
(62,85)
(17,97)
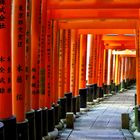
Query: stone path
(103,121)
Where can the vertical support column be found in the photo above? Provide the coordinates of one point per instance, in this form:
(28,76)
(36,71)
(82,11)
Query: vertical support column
(35,64)
(73,48)
(55,62)
(61,64)
(76,97)
(62,72)
(42,69)
(109,59)
(116,72)
(82,71)
(137,107)
(105,68)
(18,67)
(122,72)
(126,72)
(119,73)
(113,73)
(92,68)
(100,66)
(30,114)
(6,115)
(138,64)
(48,74)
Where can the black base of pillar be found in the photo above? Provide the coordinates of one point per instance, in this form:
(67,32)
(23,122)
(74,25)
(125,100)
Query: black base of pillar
(105,91)
(127,83)
(119,87)
(51,119)
(57,113)
(108,89)
(23,130)
(69,101)
(100,92)
(136,115)
(138,125)
(9,128)
(63,108)
(38,124)
(2,131)
(45,121)
(123,84)
(92,92)
(83,97)
(112,86)
(74,103)
(116,89)
(135,99)
(78,104)
(30,116)
(90,95)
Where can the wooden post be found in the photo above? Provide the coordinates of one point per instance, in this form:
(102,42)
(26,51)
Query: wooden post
(6,114)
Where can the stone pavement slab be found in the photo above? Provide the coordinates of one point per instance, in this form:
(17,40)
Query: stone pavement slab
(103,121)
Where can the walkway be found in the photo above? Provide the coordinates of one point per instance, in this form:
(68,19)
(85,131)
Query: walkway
(103,121)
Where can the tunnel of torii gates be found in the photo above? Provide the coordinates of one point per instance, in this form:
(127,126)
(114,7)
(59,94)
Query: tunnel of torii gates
(56,55)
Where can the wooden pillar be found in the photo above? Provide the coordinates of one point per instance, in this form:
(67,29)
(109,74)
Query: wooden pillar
(105,69)
(100,65)
(6,114)
(116,72)
(18,67)
(138,62)
(109,59)
(67,61)
(61,64)
(82,64)
(35,52)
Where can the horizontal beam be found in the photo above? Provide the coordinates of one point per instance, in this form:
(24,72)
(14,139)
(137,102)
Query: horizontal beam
(106,31)
(120,47)
(94,13)
(118,38)
(96,24)
(93,4)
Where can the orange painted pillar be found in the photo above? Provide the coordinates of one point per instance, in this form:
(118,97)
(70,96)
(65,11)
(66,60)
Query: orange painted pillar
(138,63)
(82,64)
(49,72)
(18,60)
(61,64)
(119,73)
(35,46)
(67,53)
(18,67)
(109,70)
(122,72)
(28,58)
(55,62)
(105,68)
(42,55)
(100,65)
(35,64)
(92,67)
(113,72)
(76,97)
(116,72)
(55,71)
(72,60)
(67,44)
(126,72)
(42,71)
(6,115)
(30,114)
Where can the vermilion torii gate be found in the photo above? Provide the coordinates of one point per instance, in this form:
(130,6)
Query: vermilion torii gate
(47,55)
